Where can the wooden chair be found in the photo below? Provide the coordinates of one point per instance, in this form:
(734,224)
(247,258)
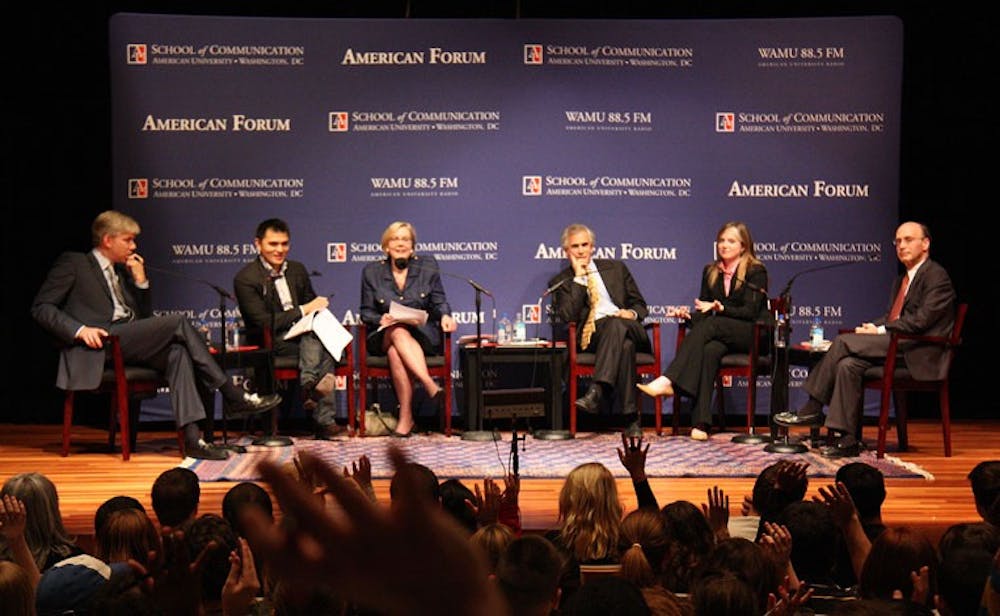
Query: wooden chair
(377,366)
(892,380)
(582,365)
(128,386)
(747,365)
(286,370)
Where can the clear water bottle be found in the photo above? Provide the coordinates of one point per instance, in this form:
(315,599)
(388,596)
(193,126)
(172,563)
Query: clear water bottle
(520,330)
(816,333)
(779,332)
(503,330)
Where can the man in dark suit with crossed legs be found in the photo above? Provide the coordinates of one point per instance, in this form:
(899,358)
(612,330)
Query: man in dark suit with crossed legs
(89,296)
(273,293)
(617,308)
(922,302)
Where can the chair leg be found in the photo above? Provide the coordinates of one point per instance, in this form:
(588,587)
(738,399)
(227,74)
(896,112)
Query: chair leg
(447,408)
(883,420)
(352,411)
(658,411)
(572,404)
(946,419)
(362,405)
(901,419)
(677,415)
(67,421)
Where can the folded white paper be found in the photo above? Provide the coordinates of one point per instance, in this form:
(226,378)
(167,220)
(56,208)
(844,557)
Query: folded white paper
(327,328)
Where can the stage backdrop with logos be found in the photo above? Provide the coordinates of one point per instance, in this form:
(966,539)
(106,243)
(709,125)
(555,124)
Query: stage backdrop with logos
(491,135)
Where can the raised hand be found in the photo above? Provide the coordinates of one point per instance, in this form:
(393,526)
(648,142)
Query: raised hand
(242,585)
(633,456)
(717,512)
(361,473)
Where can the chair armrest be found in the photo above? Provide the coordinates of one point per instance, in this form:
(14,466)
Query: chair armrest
(921,338)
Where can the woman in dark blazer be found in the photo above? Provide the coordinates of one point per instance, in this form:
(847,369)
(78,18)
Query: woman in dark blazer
(413,281)
(733,296)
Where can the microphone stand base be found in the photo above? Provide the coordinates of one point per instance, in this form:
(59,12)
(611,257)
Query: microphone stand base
(750,439)
(273,440)
(552,435)
(481,435)
(786,447)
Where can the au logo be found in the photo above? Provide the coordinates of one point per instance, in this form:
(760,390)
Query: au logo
(727,381)
(338,122)
(341,382)
(138,188)
(531,313)
(136,53)
(336,252)
(532,54)
(531,185)
(725,122)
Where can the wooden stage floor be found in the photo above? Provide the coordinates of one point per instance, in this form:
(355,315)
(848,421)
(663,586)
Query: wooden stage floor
(91,474)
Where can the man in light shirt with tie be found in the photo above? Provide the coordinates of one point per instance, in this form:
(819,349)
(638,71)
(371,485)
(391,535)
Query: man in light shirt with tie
(603,299)
(89,296)
(922,302)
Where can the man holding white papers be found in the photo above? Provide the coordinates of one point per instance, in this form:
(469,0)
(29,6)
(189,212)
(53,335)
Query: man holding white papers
(274,293)
(410,281)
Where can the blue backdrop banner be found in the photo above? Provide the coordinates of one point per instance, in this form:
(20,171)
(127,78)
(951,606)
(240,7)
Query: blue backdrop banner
(491,135)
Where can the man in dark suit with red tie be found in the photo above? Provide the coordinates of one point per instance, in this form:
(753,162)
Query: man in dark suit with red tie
(603,299)
(89,296)
(923,302)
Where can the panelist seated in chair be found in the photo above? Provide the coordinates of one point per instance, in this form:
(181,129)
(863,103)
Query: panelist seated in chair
(922,302)
(413,281)
(602,297)
(274,292)
(89,296)
(733,297)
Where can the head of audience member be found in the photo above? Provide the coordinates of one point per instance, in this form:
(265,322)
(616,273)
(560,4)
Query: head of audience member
(814,537)
(242,496)
(747,561)
(607,595)
(175,496)
(124,594)
(72,585)
(198,534)
(985,481)
(961,580)
(113,504)
(975,535)
(644,544)
(422,477)
(454,493)
(17,594)
(770,498)
(723,593)
(44,531)
(528,574)
(492,540)
(866,485)
(590,513)
(127,534)
(691,539)
(894,555)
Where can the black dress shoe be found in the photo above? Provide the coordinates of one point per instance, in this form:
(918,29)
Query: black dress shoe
(844,447)
(205,452)
(799,418)
(395,434)
(249,404)
(329,432)
(591,401)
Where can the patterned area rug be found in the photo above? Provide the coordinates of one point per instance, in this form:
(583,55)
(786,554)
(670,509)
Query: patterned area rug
(669,456)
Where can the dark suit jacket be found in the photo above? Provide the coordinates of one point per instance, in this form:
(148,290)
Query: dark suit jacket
(929,309)
(423,290)
(76,293)
(573,304)
(742,303)
(258,299)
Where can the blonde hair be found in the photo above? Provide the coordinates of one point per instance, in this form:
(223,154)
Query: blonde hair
(112,222)
(493,540)
(748,258)
(16,593)
(590,513)
(396,226)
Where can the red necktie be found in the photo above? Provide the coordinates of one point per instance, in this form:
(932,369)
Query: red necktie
(897,305)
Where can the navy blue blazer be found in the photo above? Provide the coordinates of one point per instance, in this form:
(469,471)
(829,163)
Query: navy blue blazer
(423,290)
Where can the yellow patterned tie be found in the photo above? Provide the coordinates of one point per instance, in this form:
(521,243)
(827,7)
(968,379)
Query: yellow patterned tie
(595,296)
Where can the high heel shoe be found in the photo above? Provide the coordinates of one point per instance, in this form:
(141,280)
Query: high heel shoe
(660,386)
